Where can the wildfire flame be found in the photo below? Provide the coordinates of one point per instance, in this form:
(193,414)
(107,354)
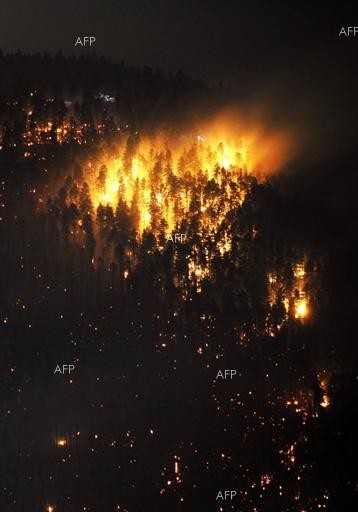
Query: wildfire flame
(157,169)
(144,170)
(170,183)
(296,300)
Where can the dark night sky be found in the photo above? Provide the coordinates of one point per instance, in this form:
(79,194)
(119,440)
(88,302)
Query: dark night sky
(230,40)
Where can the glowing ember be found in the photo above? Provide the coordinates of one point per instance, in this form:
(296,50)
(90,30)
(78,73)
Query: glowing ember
(301,309)
(177,469)
(325,401)
(324,385)
(265,480)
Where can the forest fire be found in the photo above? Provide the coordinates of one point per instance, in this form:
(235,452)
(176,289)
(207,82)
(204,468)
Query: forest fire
(165,175)
(294,297)
(156,262)
(191,185)
(169,175)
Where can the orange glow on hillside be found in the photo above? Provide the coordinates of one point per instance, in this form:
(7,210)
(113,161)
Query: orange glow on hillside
(189,185)
(152,170)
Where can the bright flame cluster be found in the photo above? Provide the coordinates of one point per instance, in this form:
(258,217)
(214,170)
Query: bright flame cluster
(162,174)
(294,298)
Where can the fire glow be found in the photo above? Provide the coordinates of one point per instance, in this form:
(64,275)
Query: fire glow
(164,170)
(193,184)
(164,173)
